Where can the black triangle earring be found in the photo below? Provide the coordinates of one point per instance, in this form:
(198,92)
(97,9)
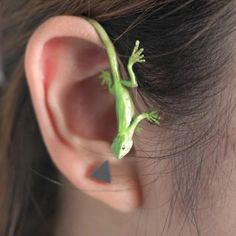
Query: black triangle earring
(102,173)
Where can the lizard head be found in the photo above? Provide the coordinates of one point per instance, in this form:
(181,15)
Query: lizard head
(121,145)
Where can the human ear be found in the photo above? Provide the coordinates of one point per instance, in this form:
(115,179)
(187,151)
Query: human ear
(75,113)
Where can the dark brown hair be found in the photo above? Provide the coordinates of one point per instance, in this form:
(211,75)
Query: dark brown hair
(188,47)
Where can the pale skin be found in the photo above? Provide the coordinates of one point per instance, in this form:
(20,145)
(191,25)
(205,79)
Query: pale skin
(98,214)
(125,109)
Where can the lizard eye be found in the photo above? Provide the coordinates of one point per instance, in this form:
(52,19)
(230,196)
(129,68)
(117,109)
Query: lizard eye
(123,148)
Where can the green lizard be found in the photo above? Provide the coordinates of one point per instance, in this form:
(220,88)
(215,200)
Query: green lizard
(125,109)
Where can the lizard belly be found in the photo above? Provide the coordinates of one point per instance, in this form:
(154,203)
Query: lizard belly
(124,110)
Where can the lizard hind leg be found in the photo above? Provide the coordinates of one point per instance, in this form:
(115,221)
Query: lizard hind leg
(137,54)
(107,80)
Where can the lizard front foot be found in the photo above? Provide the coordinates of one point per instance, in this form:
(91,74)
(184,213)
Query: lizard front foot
(153,117)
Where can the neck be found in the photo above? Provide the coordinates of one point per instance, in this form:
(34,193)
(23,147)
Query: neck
(81,215)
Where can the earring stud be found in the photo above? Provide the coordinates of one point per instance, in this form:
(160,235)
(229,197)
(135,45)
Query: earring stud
(102,173)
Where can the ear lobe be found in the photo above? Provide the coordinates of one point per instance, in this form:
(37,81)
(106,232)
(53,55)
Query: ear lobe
(76,114)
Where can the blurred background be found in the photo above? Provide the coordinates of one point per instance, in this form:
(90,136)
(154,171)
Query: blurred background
(1,72)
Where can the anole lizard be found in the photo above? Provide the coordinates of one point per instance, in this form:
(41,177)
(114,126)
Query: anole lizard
(125,109)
